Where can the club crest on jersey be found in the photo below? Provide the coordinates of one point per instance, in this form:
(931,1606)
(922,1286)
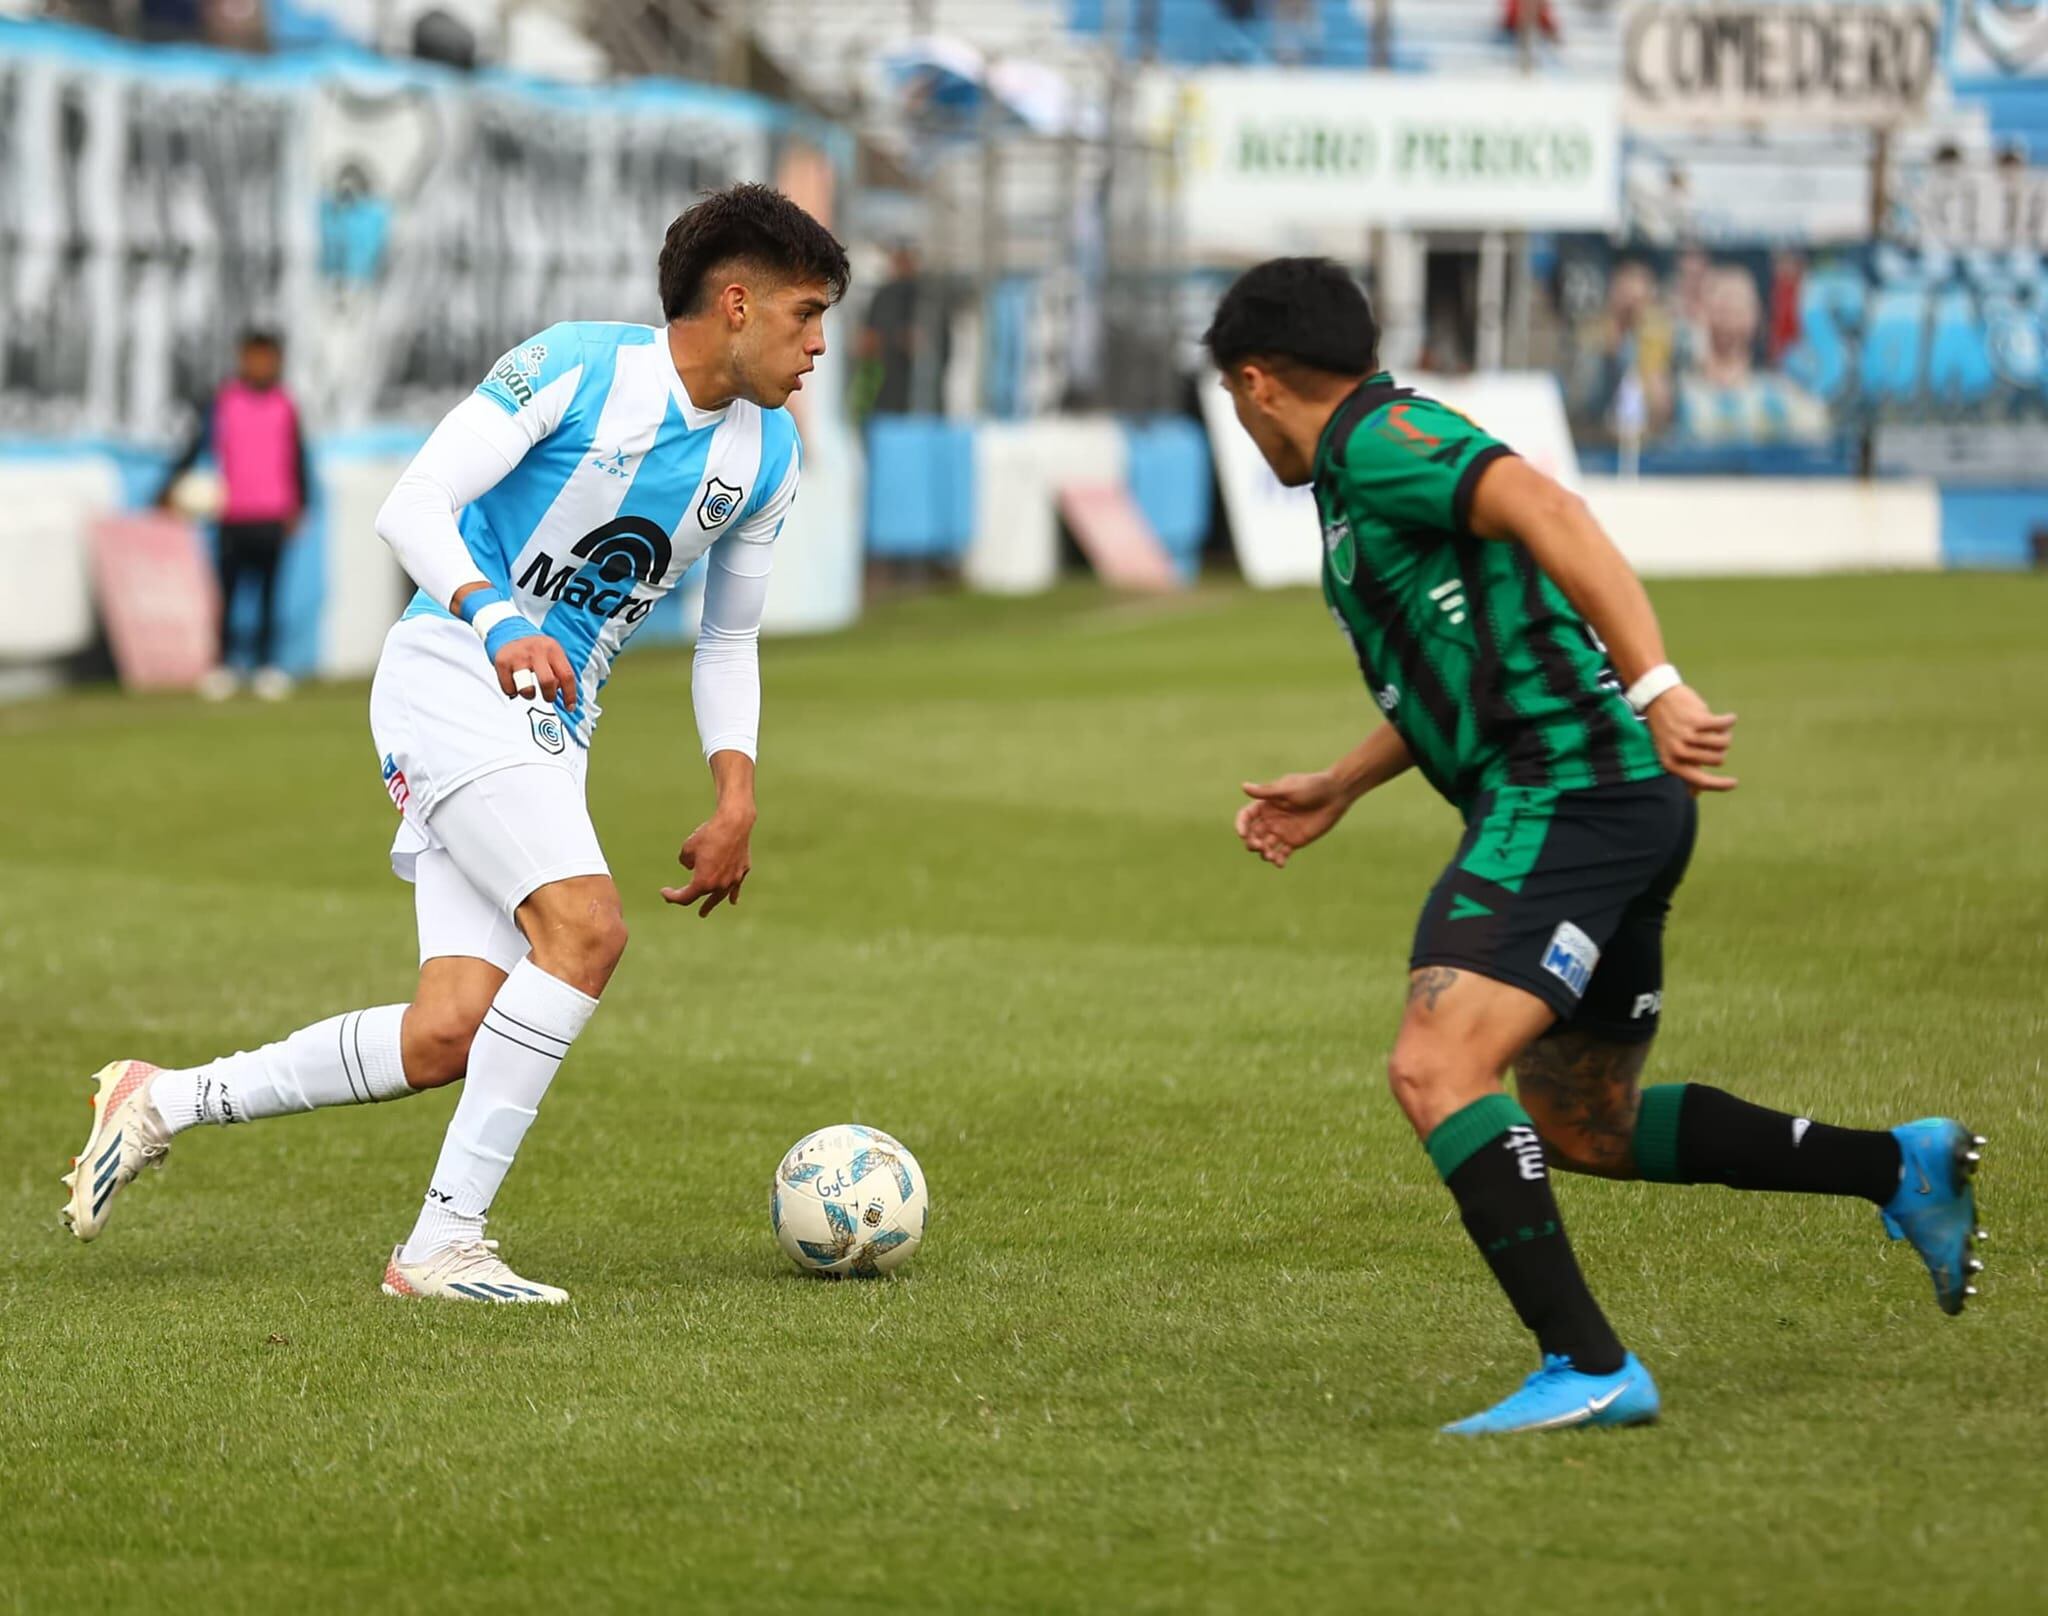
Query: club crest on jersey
(720,500)
(1342,552)
(548,733)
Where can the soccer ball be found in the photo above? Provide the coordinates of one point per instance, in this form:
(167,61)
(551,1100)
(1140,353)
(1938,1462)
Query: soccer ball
(848,1200)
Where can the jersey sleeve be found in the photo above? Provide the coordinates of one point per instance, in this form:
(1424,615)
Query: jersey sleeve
(1415,464)
(766,520)
(534,383)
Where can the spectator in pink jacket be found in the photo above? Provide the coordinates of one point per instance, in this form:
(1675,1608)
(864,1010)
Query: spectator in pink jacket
(252,426)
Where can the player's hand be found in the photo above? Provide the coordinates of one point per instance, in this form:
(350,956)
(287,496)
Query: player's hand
(1692,740)
(1284,817)
(717,858)
(535,665)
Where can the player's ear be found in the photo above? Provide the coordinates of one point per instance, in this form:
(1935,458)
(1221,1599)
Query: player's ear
(733,300)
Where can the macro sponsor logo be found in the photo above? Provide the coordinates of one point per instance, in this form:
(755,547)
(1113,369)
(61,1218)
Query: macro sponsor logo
(614,559)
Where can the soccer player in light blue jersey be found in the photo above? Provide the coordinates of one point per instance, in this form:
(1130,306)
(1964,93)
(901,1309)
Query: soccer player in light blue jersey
(542,521)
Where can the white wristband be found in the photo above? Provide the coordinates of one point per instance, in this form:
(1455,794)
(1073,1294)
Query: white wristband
(1659,680)
(491,616)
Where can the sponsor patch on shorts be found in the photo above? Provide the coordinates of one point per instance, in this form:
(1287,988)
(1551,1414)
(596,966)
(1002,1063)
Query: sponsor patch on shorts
(1571,957)
(548,733)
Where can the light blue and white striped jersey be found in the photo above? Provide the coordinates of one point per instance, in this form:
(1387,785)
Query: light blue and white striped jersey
(623,484)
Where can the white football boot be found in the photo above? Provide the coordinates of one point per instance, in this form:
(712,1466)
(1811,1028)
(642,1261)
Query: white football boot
(470,1272)
(127,1136)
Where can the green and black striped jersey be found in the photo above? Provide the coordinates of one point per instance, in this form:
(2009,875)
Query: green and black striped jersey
(1489,673)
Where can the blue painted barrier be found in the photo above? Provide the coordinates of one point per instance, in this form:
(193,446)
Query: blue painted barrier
(920,488)
(1170,480)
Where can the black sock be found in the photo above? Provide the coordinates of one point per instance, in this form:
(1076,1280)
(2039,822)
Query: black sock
(1689,1133)
(1492,1163)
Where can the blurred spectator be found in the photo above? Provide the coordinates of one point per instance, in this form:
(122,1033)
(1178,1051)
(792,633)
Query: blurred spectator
(1511,14)
(1629,387)
(1788,275)
(901,327)
(1297,31)
(252,427)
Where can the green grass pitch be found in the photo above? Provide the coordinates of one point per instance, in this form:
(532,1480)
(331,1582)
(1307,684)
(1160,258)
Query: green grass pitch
(1192,1304)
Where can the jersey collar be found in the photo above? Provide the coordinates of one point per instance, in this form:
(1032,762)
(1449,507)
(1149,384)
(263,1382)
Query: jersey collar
(694,418)
(1359,401)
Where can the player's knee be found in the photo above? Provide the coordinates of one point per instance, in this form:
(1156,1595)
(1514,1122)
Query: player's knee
(1416,1078)
(585,952)
(607,940)
(577,932)
(435,1040)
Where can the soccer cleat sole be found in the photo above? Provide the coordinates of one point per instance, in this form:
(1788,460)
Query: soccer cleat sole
(1967,1159)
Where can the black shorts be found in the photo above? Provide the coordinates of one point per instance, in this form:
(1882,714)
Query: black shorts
(1563,894)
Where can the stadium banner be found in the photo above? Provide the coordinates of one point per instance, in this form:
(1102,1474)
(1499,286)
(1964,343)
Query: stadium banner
(1274,528)
(1781,360)
(1781,63)
(401,225)
(1280,158)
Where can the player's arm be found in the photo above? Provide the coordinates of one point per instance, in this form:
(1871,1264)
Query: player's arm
(473,449)
(725,692)
(1286,814)
(1514,502)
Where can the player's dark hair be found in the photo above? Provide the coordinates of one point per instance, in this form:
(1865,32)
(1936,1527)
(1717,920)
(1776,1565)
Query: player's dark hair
(752,224)
(261,336)
(1308,310)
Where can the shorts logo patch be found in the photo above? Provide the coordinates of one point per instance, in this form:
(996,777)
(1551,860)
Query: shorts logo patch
(394,782)
(1647,1004)
(1571,957)
(548,733)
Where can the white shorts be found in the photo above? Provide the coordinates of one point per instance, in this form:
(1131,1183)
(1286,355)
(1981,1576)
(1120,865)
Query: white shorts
(489,788)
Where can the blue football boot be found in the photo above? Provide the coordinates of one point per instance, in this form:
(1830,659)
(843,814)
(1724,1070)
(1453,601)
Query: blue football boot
(1558,1397)
(1936,1207)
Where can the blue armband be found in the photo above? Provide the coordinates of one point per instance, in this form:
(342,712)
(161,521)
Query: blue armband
(476,600)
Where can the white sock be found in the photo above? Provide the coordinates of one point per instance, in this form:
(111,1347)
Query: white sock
(526,1032)
(344,1060)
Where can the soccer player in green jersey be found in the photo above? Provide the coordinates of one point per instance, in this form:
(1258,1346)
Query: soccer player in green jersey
(1520,668)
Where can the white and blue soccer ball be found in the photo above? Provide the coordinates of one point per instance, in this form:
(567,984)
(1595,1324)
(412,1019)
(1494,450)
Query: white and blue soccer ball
(849,1200)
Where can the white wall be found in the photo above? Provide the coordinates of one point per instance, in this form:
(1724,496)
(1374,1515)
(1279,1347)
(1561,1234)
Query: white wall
(1672,527)
(47,610)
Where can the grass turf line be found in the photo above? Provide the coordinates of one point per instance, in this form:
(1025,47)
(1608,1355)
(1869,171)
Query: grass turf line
(1193,1302)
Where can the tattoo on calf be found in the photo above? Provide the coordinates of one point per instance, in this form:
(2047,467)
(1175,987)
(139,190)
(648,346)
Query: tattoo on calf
(1428,985)
(1582,1092)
